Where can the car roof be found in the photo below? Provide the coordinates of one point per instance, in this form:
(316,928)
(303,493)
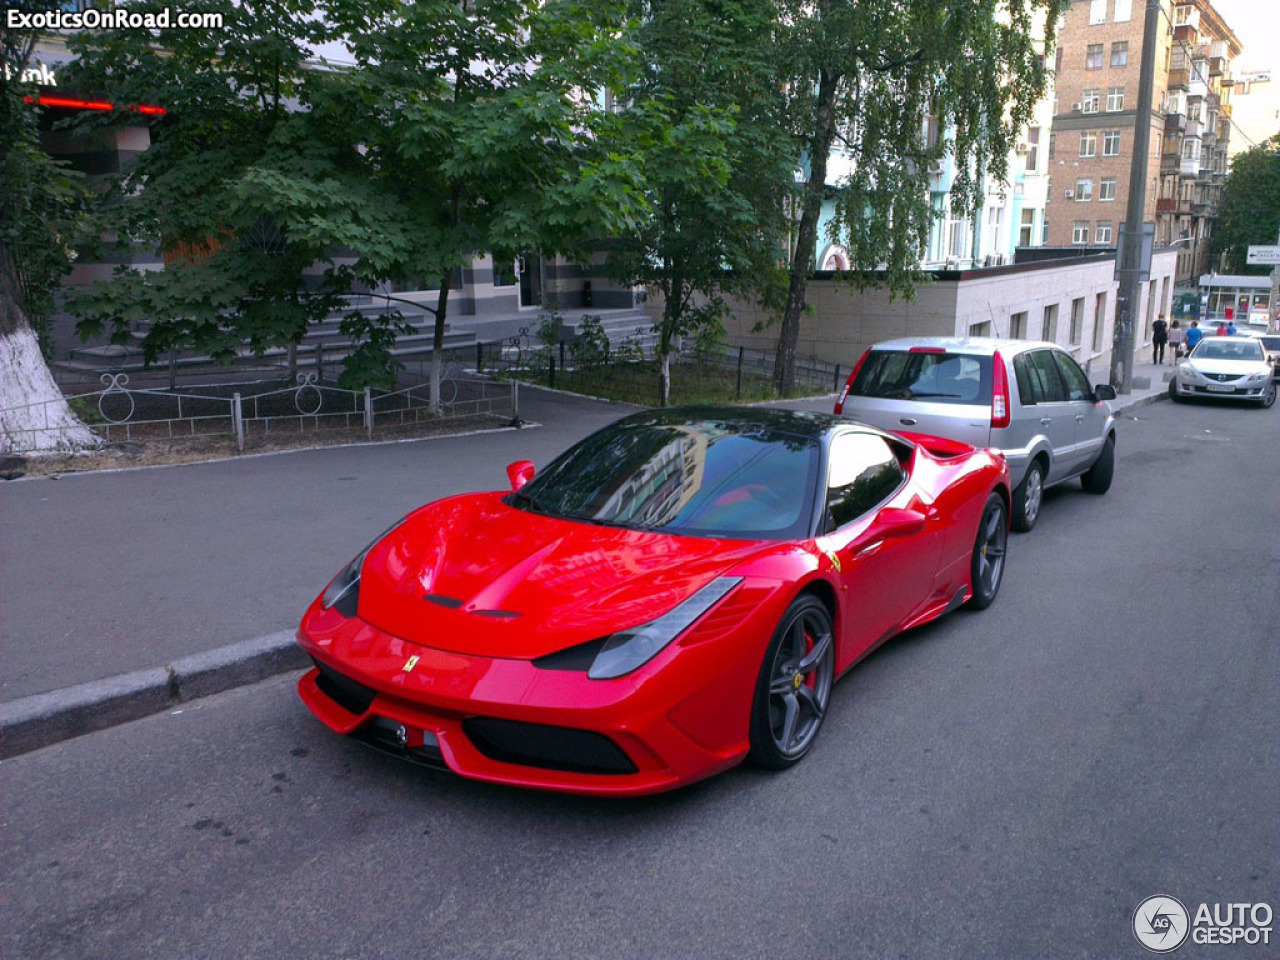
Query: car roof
(974,346)
(802,423)
(798,423)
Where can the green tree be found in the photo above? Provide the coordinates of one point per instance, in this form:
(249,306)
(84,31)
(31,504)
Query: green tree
(871,79)
(701,120)
(40,202)
(1250,209)
(478,123)
(248,136)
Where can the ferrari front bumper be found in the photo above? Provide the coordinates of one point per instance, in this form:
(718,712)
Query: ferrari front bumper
(682,717)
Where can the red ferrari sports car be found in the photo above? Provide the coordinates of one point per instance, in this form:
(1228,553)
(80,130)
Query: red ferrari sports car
(675,593)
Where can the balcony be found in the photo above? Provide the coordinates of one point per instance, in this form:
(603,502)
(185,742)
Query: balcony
(1174,123)
(1192,128)
(1202,210)
(1189,167)
(1178,79)
(1167,205)
(1168,164)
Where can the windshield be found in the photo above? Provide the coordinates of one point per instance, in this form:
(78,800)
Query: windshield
(700,477)
(1228,350)
(932,377)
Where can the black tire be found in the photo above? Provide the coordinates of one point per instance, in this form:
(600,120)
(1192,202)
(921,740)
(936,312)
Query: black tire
(794,688)
(986,566)
(1097,479)
(1269,397)
(1174,395)
(1028,497)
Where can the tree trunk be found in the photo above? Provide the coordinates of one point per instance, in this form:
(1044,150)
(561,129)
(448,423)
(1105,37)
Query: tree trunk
(437,341)
(784,363)
(34,416)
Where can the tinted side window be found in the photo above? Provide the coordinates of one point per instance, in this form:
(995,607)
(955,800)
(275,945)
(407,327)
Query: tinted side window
(1055,391)
(864,471)
(1030,391)
(1078,386)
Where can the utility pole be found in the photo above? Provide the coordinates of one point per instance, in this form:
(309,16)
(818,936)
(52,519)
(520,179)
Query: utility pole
(1133,256)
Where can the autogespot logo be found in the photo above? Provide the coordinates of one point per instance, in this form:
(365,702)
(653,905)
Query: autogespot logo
(1161,924)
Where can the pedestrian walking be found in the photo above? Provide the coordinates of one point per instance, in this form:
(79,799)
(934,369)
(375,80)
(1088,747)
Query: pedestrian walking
(1194,336)
(1175,342)
(1159,337)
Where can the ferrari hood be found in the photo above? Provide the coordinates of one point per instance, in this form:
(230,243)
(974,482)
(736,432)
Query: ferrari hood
(473,575)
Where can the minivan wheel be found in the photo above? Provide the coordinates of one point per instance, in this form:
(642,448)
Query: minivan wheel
(1097,479)
(1027,497)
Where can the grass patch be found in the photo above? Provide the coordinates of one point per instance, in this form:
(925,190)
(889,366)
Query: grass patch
(691,383)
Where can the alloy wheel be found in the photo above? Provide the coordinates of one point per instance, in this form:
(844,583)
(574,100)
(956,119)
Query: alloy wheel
(800,681)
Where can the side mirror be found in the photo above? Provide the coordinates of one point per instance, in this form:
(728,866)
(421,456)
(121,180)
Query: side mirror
(1104,391)
(519,473)
(894,522)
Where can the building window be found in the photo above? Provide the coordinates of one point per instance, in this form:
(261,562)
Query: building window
(1123,11)
(1080,232)
(1077,319)
(1115,99)
(1049,325)
(1026,228)
(1088,144)
(1103,234)
(1018,326)
(1099,320)
(1190,149)
(1120,53)
(1033,149)
(1111,143)
(1053,144)
(1044,233)
(1084,190)
(1091,100)
(1097,12)
(1107,188)
(1093,57)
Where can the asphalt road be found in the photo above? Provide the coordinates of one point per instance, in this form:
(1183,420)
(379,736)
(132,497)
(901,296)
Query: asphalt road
(1004,784)
(188,558)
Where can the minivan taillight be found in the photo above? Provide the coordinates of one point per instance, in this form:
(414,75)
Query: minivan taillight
(1000,412)
(848,384)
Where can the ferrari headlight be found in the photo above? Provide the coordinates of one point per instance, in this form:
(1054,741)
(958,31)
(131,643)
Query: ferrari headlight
(625,651)
(343,591)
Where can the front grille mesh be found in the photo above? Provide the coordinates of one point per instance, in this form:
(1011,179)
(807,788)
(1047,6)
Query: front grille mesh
(350,696)
(552,748)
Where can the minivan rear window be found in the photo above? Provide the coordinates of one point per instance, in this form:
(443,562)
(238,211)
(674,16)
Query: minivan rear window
(933,377)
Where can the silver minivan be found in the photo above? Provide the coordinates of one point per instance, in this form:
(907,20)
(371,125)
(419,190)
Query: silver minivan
(1028,399)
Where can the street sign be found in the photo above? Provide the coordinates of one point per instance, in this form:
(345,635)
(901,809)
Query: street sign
(1264,256)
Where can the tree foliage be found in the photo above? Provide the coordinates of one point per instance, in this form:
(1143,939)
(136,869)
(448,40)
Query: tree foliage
(245,131)
(41,199)
(865,79)
(1250,208)
(701,120)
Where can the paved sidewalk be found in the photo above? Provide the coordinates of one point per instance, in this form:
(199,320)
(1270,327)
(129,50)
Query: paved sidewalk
(123,593)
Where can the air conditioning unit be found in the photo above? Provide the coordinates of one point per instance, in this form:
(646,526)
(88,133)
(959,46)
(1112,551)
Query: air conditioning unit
(1076,107)
(1068,194)
(1020,148)
(935,168)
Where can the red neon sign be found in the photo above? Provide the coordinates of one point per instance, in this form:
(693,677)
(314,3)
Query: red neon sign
(73,103)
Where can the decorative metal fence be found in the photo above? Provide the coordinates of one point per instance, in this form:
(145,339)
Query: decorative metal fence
(629,370)
(119,413)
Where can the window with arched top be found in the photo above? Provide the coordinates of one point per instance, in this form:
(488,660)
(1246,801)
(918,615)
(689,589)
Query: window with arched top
(835,258)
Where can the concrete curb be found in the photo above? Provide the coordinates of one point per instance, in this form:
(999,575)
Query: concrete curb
(1134,403)
(47,718)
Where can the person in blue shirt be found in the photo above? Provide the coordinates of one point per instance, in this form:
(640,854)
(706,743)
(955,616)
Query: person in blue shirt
(1231,328)
(1194,335)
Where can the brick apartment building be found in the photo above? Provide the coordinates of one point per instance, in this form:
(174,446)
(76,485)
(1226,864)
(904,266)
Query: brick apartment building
(1098,64)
